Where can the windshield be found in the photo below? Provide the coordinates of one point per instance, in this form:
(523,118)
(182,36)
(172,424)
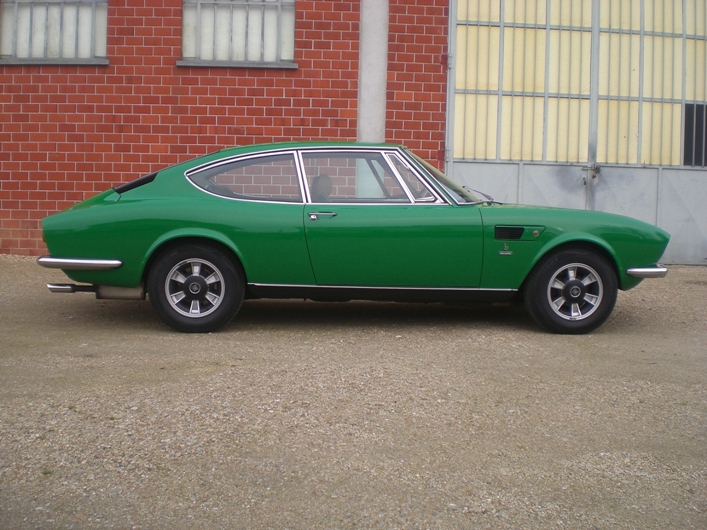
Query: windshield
(461,194)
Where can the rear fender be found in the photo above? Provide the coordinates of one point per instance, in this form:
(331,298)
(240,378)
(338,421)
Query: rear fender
(174,237)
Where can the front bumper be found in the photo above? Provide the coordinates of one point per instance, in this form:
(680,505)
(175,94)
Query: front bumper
(648,272)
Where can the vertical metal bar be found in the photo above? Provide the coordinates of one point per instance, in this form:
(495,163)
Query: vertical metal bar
(653,98)
(522,79)
(465,88)
(559,78)
(608,84)
(501,46)
(46,28)
(61,30)
(581,70)
(641,81)
(694,90)
(672,86)
(451,89)
(247,29)
(535,80)
(618,117)
(683,108)
(214,36)
(513,79)
(76,36)
(488,92)
(262,32)
(197,43)
(31,26)
(662,90)
(278,45)
(546,98)
(594,88)
(569,82)
(230,32)
(630,76)
(14,30)
(93,30)
(476,96)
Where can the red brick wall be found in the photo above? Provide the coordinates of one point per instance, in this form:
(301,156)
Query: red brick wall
(417,76)
(67,132)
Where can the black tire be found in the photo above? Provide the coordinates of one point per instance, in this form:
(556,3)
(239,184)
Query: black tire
(572,291)
(195,288)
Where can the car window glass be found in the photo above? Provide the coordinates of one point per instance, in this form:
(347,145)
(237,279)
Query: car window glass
(351,177)
(270,178)
(418,189)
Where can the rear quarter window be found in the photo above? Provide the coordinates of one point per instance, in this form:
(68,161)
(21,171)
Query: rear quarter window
(267,178)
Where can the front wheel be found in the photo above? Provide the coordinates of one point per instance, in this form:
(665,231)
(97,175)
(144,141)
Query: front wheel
(572,291)
(195,289)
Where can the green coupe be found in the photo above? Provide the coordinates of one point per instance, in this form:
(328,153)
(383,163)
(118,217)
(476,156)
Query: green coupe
(340,221)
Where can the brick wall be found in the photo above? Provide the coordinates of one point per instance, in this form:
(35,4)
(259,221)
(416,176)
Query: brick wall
(417,76)
(68,132)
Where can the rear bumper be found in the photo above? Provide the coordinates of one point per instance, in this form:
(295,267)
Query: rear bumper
(648,272)
(72,264)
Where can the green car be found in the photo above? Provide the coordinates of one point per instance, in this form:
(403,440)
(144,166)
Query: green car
(340,221)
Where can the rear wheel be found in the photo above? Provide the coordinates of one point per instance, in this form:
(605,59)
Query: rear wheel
(195,289)
(572,291)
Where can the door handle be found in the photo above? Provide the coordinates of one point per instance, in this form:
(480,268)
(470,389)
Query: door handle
(314,216)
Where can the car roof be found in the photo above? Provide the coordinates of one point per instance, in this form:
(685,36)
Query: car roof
(254,148)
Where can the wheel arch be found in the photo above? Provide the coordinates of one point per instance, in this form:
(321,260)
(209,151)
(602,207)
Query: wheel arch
(171,241)
(587,243)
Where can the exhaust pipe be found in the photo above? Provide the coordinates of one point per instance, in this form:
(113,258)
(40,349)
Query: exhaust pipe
(103,292)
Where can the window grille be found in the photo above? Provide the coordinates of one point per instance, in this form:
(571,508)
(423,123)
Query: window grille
(581,81)
(53,31)
(238,32)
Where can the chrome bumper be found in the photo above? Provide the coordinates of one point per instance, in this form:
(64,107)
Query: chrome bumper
(648,272)
(71,264)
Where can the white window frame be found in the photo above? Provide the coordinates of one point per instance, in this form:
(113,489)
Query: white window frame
(53,31)
(238,33)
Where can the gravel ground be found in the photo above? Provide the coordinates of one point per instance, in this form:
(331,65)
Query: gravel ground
(357,415)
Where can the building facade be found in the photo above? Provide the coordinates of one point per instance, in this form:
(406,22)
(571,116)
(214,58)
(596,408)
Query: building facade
(95,93)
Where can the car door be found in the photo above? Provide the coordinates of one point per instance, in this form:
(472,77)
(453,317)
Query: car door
(260,210)
(365,228)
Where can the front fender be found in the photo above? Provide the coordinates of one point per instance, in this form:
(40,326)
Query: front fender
(580,239)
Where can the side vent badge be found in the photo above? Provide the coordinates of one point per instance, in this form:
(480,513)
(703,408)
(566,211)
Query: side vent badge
(505,251)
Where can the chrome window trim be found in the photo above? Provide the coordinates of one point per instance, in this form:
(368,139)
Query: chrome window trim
(431,178)
(247,156)
(384,151)
(436,197)
(304,189)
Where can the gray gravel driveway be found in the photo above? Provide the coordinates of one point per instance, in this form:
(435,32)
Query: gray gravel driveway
(358,415)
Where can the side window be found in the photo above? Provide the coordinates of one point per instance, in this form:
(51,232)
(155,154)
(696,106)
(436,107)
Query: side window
(418,189)
(351,177)
(270,178)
